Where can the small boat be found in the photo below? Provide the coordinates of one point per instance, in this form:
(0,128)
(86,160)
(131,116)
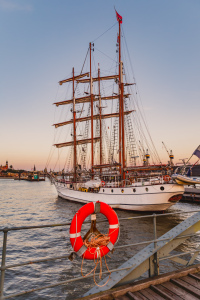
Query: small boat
(185,180)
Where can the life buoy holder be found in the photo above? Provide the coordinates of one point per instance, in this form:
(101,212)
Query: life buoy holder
(166,178)
(76,224)
(103,183)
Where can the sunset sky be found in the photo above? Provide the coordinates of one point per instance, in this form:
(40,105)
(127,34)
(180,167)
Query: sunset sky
(42,40)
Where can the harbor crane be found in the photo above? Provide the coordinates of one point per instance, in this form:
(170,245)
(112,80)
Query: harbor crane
(171,156)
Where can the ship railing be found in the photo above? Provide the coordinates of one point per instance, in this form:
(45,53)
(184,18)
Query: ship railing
(113,184)
(141,181)
(4,267)
(154,180)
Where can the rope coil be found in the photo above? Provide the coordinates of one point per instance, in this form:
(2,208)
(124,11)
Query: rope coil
(97,241)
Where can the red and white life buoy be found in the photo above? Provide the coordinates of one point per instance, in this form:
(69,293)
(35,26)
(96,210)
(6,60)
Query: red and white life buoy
(166,178)
(103,183)
(75,230)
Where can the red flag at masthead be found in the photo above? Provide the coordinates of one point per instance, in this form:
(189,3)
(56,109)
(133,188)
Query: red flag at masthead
(119,18)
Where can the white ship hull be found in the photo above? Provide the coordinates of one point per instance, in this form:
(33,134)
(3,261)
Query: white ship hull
(136,198)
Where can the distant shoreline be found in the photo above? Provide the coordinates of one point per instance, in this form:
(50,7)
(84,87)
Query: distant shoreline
(7,177)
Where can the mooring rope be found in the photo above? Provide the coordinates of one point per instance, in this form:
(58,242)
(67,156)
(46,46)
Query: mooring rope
(97,241)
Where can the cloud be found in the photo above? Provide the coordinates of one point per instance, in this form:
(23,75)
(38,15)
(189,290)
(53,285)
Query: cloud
(12,5)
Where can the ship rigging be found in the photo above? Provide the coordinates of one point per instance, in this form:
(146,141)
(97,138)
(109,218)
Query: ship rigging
(108,168)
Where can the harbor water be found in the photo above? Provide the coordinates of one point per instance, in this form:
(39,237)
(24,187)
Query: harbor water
(26,203)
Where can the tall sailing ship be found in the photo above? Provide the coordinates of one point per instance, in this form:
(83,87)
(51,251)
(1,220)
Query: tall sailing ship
(105,161)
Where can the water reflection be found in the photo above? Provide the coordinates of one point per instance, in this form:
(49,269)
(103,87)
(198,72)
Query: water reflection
(36,203)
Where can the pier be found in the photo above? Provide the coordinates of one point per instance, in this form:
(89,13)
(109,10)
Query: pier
(182,284)
(193,198)
(125,280)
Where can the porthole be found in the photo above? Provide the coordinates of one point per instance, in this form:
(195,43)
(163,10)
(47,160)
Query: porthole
(147,189)
(162,188)
(134,190)
(122,190)
(112,191)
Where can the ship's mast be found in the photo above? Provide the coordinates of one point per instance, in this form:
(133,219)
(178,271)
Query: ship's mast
(122,122)
(74,126)
(91,99)
(100,129)
(91,96)
(121,106)
(120,111)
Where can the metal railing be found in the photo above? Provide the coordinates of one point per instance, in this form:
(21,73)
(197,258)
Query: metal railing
(5,267)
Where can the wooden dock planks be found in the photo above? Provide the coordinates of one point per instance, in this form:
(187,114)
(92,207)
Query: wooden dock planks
(178,285)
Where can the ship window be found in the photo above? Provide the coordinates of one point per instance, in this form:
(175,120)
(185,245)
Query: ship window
(103,190)
(111,191)
(134,190)
(162,188)
(122,190)
(147,189)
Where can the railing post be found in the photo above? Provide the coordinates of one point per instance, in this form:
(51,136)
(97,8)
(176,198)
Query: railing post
(154,230)
(155,261)
(3,262)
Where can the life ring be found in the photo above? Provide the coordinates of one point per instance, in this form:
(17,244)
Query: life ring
(166,178)
(75,230)
(103,183)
